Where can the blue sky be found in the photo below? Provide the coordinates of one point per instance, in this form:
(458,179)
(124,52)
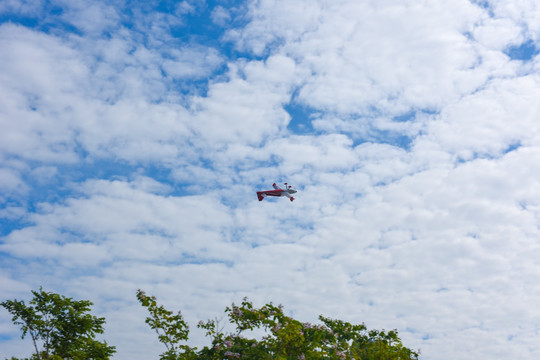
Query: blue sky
(136,134)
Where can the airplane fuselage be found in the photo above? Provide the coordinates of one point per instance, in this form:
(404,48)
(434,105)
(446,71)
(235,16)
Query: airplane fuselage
(278,192)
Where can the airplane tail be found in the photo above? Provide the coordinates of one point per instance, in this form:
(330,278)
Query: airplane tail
(260,196)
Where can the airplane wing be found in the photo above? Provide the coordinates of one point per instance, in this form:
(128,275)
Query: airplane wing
(276,187)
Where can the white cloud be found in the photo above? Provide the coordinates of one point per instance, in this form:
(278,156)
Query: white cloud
(490,121)
(374,55)
(497,34)
(58,98)
(523,12)
(11,182)
(117,220)
(325,153)
(34,89)
(249,106)
(44,174)
(272,20)
(94,18)
(187,62)
(24,7)
(220,15)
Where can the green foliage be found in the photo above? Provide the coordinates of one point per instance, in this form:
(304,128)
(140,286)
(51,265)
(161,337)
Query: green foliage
(284,337)
(171,328)
(62,326)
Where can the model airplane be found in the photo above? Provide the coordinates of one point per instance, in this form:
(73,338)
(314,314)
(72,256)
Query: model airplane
(277,192)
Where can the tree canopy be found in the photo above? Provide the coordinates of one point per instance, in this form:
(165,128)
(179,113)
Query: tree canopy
(60,327)
(284,337)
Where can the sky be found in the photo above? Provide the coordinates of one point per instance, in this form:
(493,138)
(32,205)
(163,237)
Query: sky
(135,134)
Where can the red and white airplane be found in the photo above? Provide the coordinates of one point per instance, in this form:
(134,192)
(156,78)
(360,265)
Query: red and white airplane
(277,192)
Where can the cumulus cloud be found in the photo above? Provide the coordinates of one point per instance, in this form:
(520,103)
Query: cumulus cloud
(220,15)
(491,121)
(375,55)
(249,106)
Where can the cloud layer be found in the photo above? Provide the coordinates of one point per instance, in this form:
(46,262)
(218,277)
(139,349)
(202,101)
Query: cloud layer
(133,141)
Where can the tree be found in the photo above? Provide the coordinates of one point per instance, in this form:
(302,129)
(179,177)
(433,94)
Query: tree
(60,327)
(171,328)
(284,337)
